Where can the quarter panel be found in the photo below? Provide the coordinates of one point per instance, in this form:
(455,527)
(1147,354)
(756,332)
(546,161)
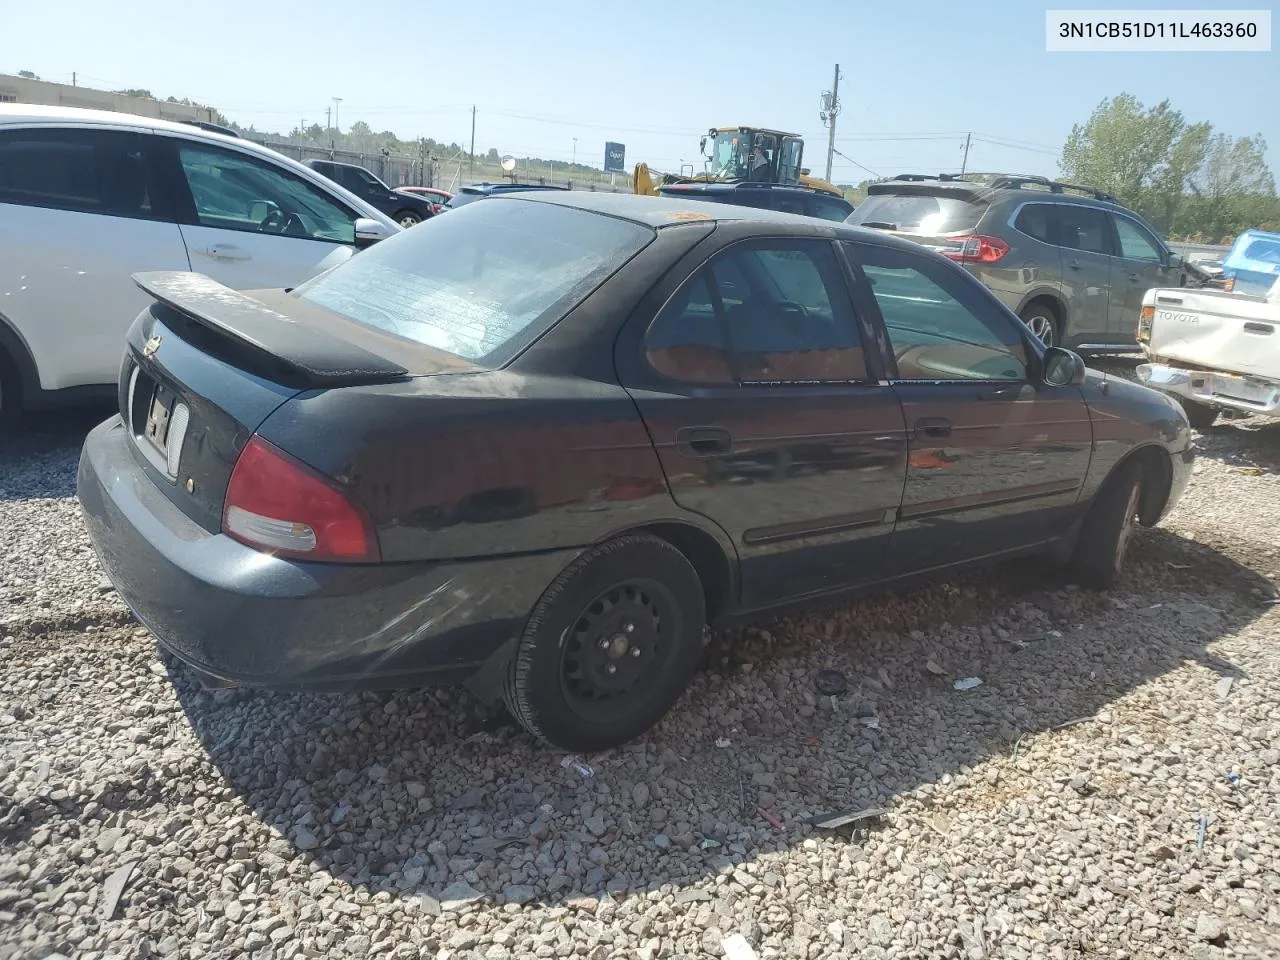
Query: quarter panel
(483,464)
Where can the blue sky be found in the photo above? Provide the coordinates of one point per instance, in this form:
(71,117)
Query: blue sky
(654,76)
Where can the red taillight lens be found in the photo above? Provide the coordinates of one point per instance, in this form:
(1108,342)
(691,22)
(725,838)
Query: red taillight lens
(977,250)
(281,506)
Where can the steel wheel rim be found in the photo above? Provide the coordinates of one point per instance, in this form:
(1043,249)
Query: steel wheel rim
(611,656)
(1042,327)
(408,220)
(1129,525)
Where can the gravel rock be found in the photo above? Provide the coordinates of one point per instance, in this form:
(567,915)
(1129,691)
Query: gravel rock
(1054,811)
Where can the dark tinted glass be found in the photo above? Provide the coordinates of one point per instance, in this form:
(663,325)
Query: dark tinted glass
(782,310)
(829,208)
(1034,222)
(91,171)
(1081,228)
(687,341)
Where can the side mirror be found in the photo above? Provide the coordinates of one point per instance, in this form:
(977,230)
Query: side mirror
(1063,368)
(369,232)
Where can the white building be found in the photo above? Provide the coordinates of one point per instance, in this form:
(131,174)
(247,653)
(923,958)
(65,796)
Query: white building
(21,90)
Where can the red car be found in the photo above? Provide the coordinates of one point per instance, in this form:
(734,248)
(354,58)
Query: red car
(437,198)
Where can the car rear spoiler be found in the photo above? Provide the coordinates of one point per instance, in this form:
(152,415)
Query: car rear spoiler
(313,357)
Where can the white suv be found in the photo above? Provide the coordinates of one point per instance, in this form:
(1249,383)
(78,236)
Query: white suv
(88,198)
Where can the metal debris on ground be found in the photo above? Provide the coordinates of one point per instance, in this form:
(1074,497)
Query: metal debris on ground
(723,742)
(113,888)
(1179,566)
(831,683)
(577,766)
(1202,830)
(966,683)
(736,947)
(1223,686)
(774,821)
(830,821)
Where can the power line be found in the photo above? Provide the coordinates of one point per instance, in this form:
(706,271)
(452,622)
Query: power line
(855,163)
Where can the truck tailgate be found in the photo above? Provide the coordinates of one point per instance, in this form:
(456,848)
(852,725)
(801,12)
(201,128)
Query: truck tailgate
(1236,333)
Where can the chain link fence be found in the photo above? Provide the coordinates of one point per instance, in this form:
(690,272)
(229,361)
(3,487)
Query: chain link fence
(424,170)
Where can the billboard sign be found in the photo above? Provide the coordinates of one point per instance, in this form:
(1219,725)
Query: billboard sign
(615,158)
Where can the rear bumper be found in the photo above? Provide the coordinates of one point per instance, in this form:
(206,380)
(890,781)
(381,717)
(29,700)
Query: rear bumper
(1248,394)
(249,618)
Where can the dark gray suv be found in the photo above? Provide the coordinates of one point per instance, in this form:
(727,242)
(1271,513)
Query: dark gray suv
(1070,260)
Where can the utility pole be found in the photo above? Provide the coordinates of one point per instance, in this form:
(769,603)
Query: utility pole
(472,168)
(964,164)
(73,78)
(336,125)
(830,108)
(575,153)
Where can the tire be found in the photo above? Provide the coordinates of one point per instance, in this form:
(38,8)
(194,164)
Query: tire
(1043,323)
(408,218)
(10,392)
(1108,529)
(633,593)
(1201,416)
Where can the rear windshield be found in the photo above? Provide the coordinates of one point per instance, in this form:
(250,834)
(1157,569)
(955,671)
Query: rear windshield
(480,283)
(918,213)
(1265,251)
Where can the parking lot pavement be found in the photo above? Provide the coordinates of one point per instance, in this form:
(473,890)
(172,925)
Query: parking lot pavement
(1112,788)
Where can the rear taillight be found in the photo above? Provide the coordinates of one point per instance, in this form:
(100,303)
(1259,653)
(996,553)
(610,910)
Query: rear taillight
(279,505)
(1229,284)
(977,250)
(1145,319)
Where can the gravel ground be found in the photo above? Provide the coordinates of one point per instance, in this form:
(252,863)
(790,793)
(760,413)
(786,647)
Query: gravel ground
(1111,789)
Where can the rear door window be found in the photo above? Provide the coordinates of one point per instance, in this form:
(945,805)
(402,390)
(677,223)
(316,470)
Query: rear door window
(1034,220)
(89,171)
(761,312)
(1081,228)
(919,212)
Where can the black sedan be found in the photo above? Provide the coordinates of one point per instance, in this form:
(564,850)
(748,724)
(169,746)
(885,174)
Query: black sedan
(537,444)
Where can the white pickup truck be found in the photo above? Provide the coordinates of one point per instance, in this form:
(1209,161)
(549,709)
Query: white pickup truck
(1214,350)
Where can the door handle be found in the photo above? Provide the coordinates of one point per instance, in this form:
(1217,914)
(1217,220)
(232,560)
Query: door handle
(933,427)
(224,251)
(1073,264)
(703,441)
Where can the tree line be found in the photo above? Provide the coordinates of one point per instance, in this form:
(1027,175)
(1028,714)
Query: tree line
(1190,182)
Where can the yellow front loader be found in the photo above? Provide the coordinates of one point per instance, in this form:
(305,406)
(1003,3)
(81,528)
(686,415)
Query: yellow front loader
(740,154)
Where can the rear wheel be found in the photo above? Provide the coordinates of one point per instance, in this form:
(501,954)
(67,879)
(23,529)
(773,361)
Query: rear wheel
(609,647)
(1108,529)
(1043,323)
(1200,415)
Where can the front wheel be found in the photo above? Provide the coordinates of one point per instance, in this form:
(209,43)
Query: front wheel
(1200,415)
(1108,528)
(610,646)
(407,218)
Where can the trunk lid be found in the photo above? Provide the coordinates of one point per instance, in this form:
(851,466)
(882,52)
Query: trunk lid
(1216,330)
(204,366)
